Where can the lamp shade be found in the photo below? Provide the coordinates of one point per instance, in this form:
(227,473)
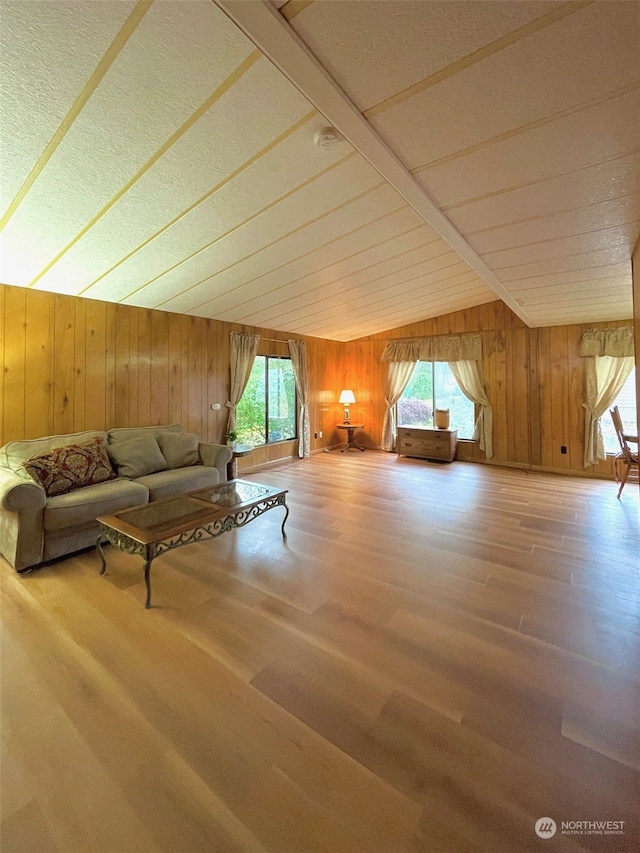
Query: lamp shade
(346,397)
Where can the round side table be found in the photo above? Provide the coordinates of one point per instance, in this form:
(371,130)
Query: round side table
(351,429)
(238,450)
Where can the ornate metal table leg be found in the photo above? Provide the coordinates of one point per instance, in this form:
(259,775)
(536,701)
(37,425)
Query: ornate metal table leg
(284,520)
(101,554)
(147,580)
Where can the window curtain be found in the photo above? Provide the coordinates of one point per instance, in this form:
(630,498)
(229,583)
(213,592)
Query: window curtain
(467,347)
(463,354)
(617,343)
(400,373)
(604,377)
(244,348)
(608,355)
(468,377)
(298,353)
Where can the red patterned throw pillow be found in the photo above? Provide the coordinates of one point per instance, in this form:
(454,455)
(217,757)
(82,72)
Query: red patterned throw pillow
(67,468)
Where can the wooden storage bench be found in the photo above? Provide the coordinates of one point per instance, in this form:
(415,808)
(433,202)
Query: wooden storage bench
(428,443)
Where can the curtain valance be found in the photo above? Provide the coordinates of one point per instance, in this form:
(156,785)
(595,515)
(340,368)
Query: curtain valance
(441,348)
(617,343)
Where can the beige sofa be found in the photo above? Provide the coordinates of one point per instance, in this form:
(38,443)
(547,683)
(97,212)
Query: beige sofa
(35,528)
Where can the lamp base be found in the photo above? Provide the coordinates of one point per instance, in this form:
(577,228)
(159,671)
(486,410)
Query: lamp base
(347,416)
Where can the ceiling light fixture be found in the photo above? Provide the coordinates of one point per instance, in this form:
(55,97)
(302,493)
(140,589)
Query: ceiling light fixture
(327,138)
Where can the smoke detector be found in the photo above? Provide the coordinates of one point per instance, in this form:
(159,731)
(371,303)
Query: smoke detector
(326,139)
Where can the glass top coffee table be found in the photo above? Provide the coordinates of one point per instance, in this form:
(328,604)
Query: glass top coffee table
(155,528)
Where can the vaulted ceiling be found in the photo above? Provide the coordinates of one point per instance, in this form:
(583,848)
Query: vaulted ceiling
(161,154)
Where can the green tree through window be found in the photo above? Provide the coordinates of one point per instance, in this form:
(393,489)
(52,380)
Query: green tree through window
(267,411)
(433,386)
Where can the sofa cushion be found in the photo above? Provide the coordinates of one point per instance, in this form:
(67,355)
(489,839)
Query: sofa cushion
(125,433)
(166,484)
(73,466)
(137,456)
(84,506)
(13,454)
(180,449)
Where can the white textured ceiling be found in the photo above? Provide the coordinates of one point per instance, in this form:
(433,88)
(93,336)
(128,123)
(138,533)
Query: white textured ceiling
(161,155)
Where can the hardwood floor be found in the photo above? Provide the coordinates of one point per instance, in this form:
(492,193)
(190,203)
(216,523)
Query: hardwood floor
(438,656)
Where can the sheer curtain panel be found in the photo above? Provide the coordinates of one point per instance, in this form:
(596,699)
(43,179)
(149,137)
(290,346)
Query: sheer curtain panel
(244,348)
(398,378)
(469,378)
(298,353)
(604,377)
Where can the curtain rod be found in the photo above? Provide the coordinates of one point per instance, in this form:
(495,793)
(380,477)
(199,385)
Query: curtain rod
(443,335)
(272,340)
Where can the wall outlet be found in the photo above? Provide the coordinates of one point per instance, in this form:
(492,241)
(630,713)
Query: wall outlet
(320,434)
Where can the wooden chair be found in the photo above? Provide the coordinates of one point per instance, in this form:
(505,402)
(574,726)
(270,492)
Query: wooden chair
(626,459)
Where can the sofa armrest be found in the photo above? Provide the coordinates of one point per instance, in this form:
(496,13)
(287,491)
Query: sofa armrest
(17,493)
(216,456)
(22,505)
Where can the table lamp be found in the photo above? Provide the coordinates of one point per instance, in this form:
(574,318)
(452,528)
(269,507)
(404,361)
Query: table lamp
(346,399)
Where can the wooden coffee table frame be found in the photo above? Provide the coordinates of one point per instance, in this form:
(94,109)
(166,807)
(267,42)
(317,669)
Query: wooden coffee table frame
(214,521)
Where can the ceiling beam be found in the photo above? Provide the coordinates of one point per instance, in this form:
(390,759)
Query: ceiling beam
(271,33)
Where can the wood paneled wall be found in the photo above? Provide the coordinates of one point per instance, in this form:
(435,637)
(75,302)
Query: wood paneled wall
(635,272)
(534,379)
(70,364)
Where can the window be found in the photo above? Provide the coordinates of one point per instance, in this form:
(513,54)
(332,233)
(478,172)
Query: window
(433,386)
(267,411)
(626,403)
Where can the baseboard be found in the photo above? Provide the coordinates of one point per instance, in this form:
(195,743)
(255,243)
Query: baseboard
(541,469)
(520,466)
(290,460)
(592,475)
(284,460)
